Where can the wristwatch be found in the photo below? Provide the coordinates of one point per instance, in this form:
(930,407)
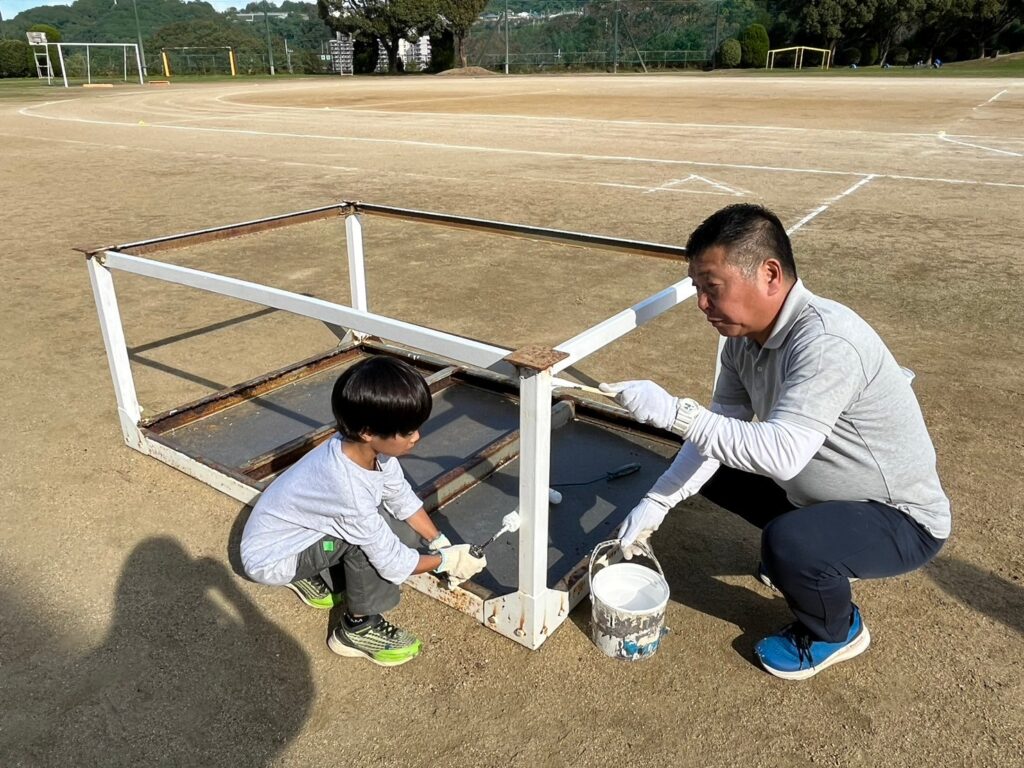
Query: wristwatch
(687,411)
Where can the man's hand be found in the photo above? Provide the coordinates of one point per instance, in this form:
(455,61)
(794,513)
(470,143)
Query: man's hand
(639,525)
(645,400)
(459,564)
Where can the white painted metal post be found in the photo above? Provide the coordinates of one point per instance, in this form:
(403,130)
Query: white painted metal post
(128,409)
(534,471)
(63,64)
(138,64)
(356,268)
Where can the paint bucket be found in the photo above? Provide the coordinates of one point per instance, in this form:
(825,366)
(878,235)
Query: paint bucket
(628,603)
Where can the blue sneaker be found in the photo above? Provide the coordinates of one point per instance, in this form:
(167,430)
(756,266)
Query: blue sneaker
(793,654)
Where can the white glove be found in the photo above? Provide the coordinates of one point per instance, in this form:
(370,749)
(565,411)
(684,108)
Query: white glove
(458,563)
(646,401)
(439,543)
(639,525)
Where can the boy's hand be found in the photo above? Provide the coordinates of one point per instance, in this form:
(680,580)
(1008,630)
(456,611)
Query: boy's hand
(438,543)
(458,563)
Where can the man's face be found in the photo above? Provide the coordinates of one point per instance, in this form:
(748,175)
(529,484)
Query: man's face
(736,304)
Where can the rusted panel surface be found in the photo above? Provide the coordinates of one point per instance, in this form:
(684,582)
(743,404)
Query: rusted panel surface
(580,451)
(536,357)
(214,465)
(476,468)
(247,390)
(169,242)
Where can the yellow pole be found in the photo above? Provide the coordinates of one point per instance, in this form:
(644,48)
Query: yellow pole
(231,58)
(167,64)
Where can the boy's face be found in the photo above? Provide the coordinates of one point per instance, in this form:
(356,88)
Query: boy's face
(398,445)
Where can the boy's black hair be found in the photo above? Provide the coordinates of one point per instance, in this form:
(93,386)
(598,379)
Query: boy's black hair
(380,395)
(749,233)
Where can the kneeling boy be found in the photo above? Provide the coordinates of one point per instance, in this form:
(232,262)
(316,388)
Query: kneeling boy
(324,510)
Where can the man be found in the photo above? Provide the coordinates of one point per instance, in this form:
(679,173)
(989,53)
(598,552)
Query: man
(838,471)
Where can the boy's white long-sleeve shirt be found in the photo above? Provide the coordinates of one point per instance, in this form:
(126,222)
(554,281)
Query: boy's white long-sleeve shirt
(325,493)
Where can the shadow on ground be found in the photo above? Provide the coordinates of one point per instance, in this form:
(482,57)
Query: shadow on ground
(982,590)
(189,673)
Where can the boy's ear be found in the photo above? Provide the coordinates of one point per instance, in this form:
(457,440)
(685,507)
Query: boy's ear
(365,435)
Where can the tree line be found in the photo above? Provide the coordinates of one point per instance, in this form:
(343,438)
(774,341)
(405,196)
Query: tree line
(731,32)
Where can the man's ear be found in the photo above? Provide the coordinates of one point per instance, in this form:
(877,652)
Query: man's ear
(774,277)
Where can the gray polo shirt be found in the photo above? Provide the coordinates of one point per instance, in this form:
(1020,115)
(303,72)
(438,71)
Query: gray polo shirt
(825,368)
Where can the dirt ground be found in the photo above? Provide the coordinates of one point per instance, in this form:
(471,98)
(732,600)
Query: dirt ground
(127,638)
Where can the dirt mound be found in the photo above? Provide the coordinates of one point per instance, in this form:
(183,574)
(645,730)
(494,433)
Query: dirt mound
(467,72)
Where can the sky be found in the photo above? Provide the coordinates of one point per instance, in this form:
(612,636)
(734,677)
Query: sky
(11,8)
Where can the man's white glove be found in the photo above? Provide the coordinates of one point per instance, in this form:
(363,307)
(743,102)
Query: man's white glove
(645,400)
(650,404)
(439,543)
(639,525)
(459,564)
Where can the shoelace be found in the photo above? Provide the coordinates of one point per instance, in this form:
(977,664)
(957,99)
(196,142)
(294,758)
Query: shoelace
(802,640)
(385,627)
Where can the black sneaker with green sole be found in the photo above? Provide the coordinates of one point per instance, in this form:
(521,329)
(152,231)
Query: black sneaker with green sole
(376,639)
(315,593)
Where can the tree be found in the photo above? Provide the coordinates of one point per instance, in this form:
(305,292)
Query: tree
(460,16)
(754,45)
(730,53)
(894,21)
(52,33)
(386,20)
(836,19)
(15,58)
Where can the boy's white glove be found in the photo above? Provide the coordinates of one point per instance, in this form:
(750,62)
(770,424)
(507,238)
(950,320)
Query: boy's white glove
(649,403)
(639,525)
(439,543)
(459,564)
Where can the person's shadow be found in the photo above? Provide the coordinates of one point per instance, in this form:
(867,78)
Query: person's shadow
(189,673)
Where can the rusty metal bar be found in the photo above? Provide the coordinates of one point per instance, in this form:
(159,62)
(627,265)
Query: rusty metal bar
(212,234)
(564,237)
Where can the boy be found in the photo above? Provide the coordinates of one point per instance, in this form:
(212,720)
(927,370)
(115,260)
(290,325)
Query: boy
(324,510)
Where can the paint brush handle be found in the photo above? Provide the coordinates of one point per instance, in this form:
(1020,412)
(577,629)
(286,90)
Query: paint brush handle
(566,384)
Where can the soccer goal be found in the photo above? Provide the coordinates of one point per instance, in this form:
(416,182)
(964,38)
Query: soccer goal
(199,60)
(795,55)
(89,63)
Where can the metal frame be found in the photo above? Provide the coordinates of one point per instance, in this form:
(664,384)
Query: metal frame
(88,66)
(529,615)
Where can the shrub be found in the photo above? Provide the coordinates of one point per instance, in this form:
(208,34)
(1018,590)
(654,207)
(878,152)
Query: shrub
(851,56)
(16,59)
(899,55)
(754,46)
(729,53)
(871,55)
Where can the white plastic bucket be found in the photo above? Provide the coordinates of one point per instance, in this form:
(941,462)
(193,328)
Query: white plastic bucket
(628,603)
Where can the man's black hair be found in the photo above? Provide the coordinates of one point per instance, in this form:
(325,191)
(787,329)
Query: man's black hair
(749,233)
(380,395)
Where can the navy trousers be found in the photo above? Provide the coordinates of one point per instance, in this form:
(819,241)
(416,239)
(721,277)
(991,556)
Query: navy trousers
(811,552)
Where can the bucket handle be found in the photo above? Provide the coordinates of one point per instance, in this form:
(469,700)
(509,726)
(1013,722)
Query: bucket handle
(643,546)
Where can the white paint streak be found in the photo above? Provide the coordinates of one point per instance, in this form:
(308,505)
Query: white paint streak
(943,137)
(831,201)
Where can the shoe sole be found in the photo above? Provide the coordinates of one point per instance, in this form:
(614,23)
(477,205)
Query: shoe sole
(855,648)
(305,599)
(354,653)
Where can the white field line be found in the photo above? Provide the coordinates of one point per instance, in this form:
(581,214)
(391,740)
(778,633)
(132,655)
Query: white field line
(671,186)
(992,99)
(226,99)
(831,201)
(944,137)
(27,112)
(345,168)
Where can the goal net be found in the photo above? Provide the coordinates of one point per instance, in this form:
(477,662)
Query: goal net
(198,60)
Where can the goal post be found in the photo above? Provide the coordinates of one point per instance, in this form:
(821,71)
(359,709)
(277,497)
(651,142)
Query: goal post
(798,51)
(199,60)
(113,61)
